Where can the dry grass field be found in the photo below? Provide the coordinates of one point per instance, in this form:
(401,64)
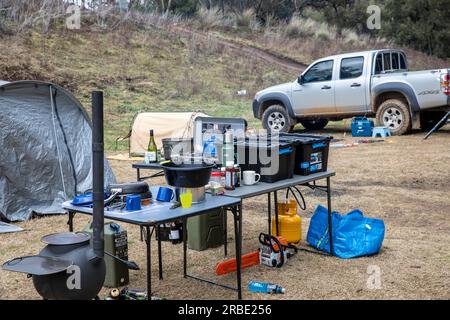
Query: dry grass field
(405,181)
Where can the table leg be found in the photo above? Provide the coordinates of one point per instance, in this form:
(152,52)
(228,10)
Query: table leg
(70,221)
(160,267)
(184,247)
(330,217)
(149,262)
(276,213)
(138,173)
(237,214)
(269,211)
(225,240)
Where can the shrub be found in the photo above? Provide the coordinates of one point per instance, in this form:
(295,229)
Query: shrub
(208,18)
(299,28)
(245,19)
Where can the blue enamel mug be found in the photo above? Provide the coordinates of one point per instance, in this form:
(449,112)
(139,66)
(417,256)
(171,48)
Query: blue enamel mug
(165,194)
(133,202)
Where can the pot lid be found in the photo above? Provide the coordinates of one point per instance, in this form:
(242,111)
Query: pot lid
(37,265)
(66,238)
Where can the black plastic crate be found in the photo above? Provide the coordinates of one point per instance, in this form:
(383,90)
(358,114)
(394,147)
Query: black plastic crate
(311,152)
(262,157)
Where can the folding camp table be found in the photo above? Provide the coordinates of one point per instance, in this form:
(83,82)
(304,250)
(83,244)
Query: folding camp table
(148,217)
(262,188)
(148,166)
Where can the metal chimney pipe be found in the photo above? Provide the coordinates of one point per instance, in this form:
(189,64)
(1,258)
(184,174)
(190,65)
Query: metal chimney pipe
(98,173)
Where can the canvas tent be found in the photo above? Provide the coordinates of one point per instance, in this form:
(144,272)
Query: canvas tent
(45,143)
(164,125)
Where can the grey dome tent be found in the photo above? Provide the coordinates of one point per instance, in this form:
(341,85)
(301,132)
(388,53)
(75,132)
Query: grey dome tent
(45,149)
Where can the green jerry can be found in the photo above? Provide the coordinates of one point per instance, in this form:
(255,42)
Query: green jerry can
(116,243)
(206,231)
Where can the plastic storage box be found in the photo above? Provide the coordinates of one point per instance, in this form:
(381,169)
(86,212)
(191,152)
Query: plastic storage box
(274,162)
(362,127)
(311,152)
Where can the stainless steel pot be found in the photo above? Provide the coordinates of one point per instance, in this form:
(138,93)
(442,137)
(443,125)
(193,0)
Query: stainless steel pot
(198,194)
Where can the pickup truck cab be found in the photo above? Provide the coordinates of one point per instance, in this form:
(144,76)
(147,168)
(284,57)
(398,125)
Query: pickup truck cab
(373,83)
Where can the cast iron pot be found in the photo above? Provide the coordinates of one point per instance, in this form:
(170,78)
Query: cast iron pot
(187,175)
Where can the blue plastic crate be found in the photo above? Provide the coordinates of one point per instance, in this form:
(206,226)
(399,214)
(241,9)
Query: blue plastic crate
(362,127)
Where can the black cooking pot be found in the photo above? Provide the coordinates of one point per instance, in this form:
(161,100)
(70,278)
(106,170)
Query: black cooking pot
(187,175)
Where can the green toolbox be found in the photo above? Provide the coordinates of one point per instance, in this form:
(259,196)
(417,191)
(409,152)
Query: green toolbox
(116,243)
(206,231)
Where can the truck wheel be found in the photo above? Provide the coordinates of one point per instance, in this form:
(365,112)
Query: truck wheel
(314,124)
(394,114)
(276,119)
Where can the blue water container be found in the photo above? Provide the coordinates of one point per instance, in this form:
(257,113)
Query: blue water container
(362,127)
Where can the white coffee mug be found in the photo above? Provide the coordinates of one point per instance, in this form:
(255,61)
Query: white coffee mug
(250,177)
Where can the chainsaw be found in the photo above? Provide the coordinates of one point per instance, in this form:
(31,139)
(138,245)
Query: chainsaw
(274,251)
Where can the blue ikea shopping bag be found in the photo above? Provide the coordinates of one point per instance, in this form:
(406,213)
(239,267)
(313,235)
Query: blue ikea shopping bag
(353,234)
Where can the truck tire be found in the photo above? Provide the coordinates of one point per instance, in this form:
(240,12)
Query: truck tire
(394,114)
(276,119)
(314,124)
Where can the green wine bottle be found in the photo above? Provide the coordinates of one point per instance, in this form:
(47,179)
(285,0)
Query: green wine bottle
(152,150)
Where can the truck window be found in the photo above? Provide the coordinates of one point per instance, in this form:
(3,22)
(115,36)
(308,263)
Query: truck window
(387,62)
(351,67)
(321,71)
(379,63)
(395,61)
(390,62)
(402,61)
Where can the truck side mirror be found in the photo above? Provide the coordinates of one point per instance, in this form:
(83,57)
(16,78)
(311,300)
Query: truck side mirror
(301,79)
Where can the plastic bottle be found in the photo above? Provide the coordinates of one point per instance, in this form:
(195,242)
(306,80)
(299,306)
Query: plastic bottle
(209,148)
(216,177)
(264,287)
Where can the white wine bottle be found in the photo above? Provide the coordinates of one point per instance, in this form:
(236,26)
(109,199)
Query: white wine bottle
(152,150)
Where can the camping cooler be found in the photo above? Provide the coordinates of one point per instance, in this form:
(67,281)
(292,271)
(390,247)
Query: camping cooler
(362,127)
(262,157)
(311,152)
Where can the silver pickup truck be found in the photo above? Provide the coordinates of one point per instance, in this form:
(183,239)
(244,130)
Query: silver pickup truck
(371,83)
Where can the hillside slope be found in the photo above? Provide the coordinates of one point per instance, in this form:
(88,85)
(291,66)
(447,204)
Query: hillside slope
(142,70)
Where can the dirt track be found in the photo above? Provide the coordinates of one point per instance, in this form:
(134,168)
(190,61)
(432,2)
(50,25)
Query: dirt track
(406,183)
(283,62)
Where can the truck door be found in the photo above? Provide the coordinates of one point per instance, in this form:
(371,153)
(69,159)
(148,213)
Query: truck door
(351,85)
(315,93)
